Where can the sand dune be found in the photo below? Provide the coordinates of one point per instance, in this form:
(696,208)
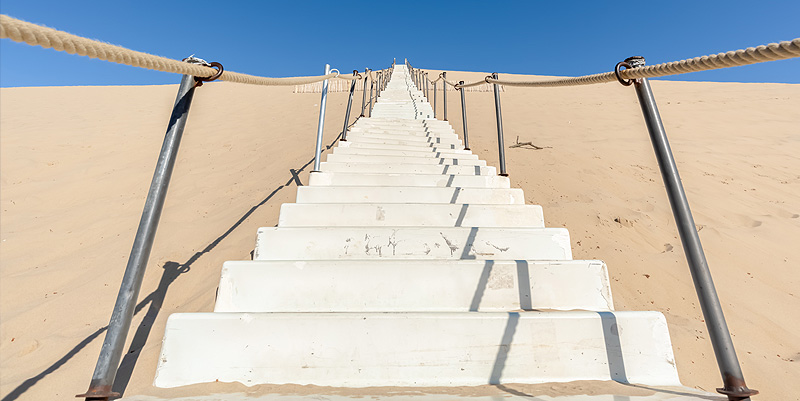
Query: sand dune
(76,163)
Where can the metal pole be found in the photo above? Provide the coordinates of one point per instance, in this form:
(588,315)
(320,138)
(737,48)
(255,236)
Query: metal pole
(349,105)
(464,115)
(735,387)
(321,123)
(427,86)
(364,95)
(111,352)
(434,99)
(371,99)
(499,114)
(444,94)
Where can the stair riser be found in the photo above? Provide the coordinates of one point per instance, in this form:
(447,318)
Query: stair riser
(419,144)
(276,243)
(408,180)
(404,138)
(481,196)
(415,349)
(409,215)
(409,153)
(432,149)
(401,160)
(409,286)
(406,169)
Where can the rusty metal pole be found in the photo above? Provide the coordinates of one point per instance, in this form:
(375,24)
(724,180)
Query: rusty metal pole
(364,95)
(349,106)
(111,351)
(733,379)
(444,94)
(501,147)
(464,115)
(434,99)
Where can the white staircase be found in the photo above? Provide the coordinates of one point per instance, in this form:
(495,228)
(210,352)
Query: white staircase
(408,262)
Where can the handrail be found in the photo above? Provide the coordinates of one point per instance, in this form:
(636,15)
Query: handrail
(632,71)
(195,71)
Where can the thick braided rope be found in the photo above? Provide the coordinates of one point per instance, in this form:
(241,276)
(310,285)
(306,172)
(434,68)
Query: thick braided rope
(37,35)
(751,55)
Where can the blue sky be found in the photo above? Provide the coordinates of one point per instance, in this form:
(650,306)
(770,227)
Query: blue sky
(286,38)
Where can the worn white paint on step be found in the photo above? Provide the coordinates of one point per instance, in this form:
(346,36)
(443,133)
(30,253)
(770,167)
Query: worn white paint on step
(279,243)
(416,349)
(412,286)
(409,215)
(407,180)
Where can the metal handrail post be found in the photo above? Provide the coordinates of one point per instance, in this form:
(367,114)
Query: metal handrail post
(499,114)
(444,94)
(464,115)
(321,122)
(427,86)
(434,99)
(371,98)
(364,95)
(100,388)
(733,379)
(349,105)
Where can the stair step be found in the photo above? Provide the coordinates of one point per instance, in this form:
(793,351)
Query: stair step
(445,169)
(483,196)
(342,158)
(412,286)
(421,140)
(414,148)
(319,243)
(412,153)
(408,180)
(415,349)
(409,215)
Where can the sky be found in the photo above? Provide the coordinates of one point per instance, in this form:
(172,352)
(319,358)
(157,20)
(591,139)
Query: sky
(291,38)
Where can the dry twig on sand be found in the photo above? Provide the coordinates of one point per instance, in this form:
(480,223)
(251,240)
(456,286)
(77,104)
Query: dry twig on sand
(523,145)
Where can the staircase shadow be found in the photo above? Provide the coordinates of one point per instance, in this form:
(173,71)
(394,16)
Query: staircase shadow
(172,270)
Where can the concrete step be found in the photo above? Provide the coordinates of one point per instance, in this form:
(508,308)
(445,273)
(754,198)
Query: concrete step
(405,130)
(414,148)
(361,194)
(420,144)
(342,158)
(409,215)
(415,349)
(406,169)
(391,152)
(408,180)
(412,286)
(320,243)
(356,137)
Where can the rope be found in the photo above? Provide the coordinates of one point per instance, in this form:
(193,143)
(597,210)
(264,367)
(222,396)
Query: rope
(751,55)
(37,35)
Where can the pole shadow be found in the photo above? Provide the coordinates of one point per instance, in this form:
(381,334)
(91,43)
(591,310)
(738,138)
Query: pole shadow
(172,271)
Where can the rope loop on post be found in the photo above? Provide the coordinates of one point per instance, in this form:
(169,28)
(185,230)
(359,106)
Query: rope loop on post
(201,80)
(625,82)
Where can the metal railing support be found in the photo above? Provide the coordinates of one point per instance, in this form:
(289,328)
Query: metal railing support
(464,115)
(434,99)
(444,94)
(112,349)
(733,379)
(427,86)
(349,106)
(499,114)
(364,95)
(321,123)
(371,99)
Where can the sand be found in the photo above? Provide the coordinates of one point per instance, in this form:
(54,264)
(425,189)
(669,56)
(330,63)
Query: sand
(76,163)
